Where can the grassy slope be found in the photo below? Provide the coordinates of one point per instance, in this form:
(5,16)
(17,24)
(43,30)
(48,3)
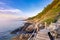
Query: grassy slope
(49,14)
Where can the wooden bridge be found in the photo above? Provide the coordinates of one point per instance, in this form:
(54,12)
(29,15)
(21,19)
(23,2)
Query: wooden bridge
(41,35)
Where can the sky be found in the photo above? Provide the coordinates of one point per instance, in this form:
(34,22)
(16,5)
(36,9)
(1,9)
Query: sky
(10,9)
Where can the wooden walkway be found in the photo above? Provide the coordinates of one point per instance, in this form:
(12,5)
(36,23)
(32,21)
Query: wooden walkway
(42,35)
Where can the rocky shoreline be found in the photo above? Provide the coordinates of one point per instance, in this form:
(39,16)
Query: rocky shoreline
(24,32)
(28,28)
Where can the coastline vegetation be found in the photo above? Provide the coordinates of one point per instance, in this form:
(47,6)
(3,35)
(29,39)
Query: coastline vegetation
(50,13)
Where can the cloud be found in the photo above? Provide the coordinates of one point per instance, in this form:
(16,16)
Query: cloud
(11,11)
(6,17)
(7,12)
(6,9)
(2,3)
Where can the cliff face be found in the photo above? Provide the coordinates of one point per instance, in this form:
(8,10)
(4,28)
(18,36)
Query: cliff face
(50,13)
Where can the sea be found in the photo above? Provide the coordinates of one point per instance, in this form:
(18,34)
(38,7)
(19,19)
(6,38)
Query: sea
(7,26)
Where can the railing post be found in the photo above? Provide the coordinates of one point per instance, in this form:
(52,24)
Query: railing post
(45,25)
(31,35)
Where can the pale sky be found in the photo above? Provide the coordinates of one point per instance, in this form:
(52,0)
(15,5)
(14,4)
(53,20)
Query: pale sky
(10,9)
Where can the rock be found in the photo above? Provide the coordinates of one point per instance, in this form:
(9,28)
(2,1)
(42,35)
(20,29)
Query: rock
(30,29)
(21,37)
(55,29)
(16,30)
(21,28)
(15,38)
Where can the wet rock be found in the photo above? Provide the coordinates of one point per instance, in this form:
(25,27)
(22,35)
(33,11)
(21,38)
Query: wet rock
(16,30)
(21,37)
(30,29)
(21,28)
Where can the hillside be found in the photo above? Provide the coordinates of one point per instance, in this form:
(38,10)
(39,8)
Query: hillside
(50,13)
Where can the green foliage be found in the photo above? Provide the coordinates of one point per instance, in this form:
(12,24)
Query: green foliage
(50,13)
(48,20)
(46,9)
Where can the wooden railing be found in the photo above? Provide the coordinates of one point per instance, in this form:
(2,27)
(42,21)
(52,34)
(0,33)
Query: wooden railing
(32,35)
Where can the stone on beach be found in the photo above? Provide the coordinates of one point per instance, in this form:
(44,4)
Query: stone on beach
(21,37)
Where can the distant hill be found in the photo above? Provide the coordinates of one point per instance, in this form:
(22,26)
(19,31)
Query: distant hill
(50,13)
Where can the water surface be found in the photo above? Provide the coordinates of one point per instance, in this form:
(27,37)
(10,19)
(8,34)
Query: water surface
(7,26)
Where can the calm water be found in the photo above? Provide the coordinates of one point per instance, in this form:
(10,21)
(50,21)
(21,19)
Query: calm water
(7,26)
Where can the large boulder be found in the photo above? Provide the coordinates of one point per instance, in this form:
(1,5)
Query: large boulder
(30,29)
